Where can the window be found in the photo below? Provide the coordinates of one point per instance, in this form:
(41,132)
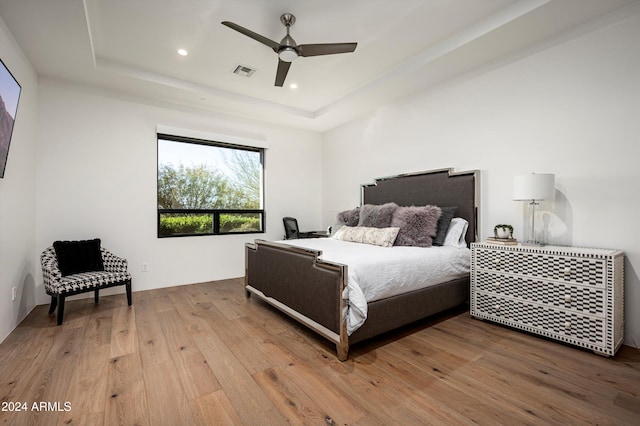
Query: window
(208,187)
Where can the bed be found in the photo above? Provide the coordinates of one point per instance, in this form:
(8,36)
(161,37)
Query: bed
(297,280)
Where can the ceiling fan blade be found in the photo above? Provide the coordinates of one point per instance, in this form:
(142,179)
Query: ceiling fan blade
(281,74)
(262,39)
(325,49)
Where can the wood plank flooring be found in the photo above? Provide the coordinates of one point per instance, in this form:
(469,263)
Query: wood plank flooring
(202,354)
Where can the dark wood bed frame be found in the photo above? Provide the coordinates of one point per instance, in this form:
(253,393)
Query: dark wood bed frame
(308,289)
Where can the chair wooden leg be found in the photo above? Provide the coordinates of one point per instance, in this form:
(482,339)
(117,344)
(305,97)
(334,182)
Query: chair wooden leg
(60,308)
(54,303)
(128,288)
(95,296)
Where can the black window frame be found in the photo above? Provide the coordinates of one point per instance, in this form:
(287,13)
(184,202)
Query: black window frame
(215,213)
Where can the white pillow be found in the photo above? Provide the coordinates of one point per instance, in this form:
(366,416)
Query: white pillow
(383,237)
(456,233)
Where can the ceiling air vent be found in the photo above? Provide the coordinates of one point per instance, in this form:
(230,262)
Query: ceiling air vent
(244,71)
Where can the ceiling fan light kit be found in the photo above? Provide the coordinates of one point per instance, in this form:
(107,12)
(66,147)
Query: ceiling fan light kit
(288,54)
(288,50)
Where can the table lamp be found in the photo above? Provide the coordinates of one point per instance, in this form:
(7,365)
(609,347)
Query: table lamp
(533,187)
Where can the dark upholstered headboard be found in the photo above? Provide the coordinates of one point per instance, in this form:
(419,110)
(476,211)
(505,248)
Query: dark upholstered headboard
(442,188)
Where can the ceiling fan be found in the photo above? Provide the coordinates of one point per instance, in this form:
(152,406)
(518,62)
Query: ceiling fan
(288,50)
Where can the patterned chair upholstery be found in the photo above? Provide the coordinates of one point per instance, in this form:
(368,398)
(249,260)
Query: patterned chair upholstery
(58,287)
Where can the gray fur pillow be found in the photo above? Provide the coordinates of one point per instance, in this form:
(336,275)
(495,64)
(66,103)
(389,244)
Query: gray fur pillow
(377,216)
(346,218)
(418,225)
(349,217)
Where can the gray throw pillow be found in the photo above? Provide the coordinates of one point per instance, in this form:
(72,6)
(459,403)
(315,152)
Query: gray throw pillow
(418,225)
(349,217)
(443,224)
(377,216)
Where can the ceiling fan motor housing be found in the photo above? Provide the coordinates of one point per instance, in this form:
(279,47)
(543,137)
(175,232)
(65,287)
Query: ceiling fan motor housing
(287,50)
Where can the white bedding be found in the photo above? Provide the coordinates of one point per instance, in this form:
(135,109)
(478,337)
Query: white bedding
(379,272)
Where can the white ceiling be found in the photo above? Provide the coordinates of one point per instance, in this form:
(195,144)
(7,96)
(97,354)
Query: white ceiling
(404,46)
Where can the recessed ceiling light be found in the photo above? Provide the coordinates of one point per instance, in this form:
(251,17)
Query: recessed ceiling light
(182,52)
(293,86)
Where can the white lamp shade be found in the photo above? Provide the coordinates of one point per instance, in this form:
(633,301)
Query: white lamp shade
(534,186)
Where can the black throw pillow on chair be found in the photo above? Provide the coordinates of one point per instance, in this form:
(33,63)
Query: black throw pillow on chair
(75,257)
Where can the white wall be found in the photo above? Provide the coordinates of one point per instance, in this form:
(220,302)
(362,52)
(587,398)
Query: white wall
(17,195)
(97,170)
(571,109)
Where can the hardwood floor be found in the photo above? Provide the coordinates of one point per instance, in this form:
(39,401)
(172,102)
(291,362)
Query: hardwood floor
(203,354)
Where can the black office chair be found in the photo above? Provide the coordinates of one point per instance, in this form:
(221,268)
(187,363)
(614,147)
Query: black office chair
(291,230)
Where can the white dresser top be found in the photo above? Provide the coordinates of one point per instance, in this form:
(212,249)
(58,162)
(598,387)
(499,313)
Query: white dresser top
(558,250)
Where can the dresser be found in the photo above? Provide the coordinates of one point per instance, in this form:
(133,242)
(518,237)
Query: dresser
(575,295)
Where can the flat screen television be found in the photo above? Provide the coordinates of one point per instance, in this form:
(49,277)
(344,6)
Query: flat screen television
(9,96)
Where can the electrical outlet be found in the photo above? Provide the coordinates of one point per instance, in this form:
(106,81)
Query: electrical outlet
(144,267)
(13,294)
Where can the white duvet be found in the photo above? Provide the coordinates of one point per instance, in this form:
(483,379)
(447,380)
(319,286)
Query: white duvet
(379,272)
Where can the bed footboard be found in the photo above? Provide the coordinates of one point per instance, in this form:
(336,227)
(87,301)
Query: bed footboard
(299,284)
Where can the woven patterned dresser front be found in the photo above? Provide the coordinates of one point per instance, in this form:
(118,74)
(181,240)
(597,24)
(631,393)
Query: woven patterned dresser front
(571,294)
